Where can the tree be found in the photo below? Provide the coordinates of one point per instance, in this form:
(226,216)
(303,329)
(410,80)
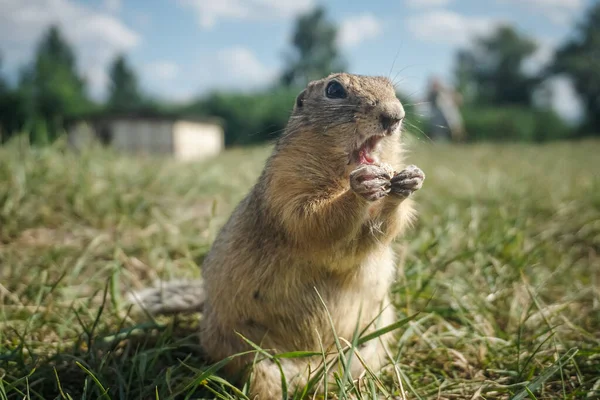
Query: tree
(124,93)
(465,75)
(315,53)
(12,110)
(51,86)
(3,84)
(60,91)
(491,71)
(248,117)
(3,103)
(579,58)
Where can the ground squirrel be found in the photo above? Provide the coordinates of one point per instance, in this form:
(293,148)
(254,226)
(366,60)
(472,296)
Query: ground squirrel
(317,224)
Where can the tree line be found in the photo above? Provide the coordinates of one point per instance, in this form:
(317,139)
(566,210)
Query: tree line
(499,92)
(50,90)
(490,75)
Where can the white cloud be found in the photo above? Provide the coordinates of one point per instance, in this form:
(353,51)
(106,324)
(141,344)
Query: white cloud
(210,11)
(560,95)
(97,77)
(164,70)
(96,36)
(427,3)
(546,4)
(558,11)
(444,26)
(234,68)
(542,56)
(284,8)
(565,100)
(240,67)
(357,29)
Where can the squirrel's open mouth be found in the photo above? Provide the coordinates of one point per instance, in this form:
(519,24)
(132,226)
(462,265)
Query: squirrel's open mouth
(364,154)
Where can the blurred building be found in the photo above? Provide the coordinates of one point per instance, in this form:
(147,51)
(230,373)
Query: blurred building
(182,137)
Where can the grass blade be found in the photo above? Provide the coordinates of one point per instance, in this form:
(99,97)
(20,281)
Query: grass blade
(546,374)
(386,329)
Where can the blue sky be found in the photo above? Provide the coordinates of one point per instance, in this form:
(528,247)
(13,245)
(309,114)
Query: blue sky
(183,48)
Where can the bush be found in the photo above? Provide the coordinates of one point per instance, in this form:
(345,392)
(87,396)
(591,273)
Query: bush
(249,118)
(513,124)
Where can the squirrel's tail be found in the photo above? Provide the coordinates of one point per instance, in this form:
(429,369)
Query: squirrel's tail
(173,297)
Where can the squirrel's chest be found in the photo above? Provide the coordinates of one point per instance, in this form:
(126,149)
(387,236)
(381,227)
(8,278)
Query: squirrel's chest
(359,300)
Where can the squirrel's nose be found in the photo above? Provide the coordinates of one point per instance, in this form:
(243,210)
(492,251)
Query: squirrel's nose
(391,115)
(389,122)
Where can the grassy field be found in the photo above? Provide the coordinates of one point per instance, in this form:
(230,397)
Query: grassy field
(503,266)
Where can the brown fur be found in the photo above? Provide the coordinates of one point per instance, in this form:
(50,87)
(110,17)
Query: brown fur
(305,230)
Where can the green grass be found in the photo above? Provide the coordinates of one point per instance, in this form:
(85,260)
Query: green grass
(503,268)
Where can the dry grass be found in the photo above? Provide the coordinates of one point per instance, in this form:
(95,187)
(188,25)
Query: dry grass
(503,267)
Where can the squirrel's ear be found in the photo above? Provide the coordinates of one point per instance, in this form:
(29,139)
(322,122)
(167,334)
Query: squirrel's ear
(300,99)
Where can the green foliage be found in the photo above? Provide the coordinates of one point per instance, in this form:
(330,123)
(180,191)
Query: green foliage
(12,109)
(13,114)
(50,90)
(3,84)
(491,71)
(248,118)
(498,93)
(53,85)
(124,93)
(579,58)
(513,124)
(315,53)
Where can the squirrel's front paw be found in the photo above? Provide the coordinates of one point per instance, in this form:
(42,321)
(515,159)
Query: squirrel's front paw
(407,181)
(371,182)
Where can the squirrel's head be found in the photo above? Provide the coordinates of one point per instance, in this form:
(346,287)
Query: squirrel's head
(353,114)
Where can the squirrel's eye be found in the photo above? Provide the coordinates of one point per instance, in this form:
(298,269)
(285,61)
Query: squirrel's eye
(335,90)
